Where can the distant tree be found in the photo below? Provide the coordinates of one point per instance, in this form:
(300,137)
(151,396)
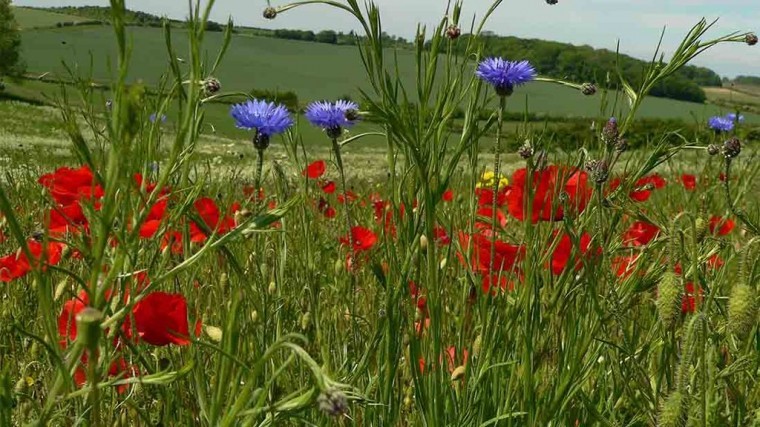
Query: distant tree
(10,41)
(327,36)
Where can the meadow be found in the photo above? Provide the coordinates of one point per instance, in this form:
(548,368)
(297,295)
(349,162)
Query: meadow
(394,264)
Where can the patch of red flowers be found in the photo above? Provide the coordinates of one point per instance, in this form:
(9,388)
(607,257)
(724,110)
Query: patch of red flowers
(565,252)
(17,265)
(361,239)
(506,259)
(642,188)
(640,233)
(689,181)
(315,169)
(721,226)
(547,184)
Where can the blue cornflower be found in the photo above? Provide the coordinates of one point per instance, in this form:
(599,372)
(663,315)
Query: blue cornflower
(153,118)
(333,117)
(504,75)
(266,118)
(720,124)
(734,118)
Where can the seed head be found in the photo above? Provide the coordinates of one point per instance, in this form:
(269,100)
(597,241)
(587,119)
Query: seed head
(673,411)
(552,2)
(751,39)
(732,148)
(713,149)
(333,403)
(453,32)
(588,89)
(669,297)
(270,13)
(742,310)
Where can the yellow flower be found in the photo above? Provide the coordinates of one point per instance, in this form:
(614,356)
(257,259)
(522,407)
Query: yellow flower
(487,180)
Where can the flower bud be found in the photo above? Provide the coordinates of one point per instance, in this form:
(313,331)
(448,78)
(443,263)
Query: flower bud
(338,267)
(732,148)
(713,149)
(423,243)
(305,321)
(272,288)
(526,151)
(88,327)
(552,2)
(224,280)
(270,13)
(742,310)
(458,373)
(333,402)
(588,89)
(214,333)
(254,316)
(669,297)
(750,39)
(211,86)
(621,145)
(453,32)
(610,132)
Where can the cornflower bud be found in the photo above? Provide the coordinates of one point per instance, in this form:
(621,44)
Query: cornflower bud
(270,13)
(588,89)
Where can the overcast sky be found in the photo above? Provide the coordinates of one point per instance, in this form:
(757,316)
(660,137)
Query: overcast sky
(599,23)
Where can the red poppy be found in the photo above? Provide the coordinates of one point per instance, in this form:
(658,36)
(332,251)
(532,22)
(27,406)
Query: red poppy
(689,181)
(17,265)
(161,319)
(441,237)
(691,298)
(485,196)
(486,215)
(315,169)
(154,219)
(643,188)
(329,187)
(564,250)
(349,195)
(250,192)
(67,219)
(211,216)
(453,359)
(547,184)
(447,195)
(721,226)
(506,256)
(419,299)
(640,233)
(324,207)
(624,266)
(67,326)
(362,239)
(68,185)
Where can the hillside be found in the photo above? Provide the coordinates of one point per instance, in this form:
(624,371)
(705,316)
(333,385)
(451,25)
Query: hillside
(553,59)
(31,18)
(312,70)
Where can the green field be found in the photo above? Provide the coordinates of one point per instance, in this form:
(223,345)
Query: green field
(29,18)
(313,70)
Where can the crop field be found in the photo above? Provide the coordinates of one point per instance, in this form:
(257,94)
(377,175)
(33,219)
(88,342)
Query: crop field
(313,71)
(34,18)
(170,260)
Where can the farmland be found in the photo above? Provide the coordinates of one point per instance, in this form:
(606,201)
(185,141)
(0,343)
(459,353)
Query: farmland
(254,263)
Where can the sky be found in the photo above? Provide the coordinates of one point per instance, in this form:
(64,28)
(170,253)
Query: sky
(636,24)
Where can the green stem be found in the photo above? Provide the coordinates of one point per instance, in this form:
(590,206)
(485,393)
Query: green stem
(259,172)
(497,180)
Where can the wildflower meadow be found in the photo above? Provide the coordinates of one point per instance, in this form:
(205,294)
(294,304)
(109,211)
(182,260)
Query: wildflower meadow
(467,283)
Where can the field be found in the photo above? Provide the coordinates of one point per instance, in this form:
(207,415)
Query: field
(187,272)
(33,18)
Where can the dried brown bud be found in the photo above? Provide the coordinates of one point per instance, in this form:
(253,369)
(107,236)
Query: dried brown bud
(211,85)
(588,89)
(751,39)
(713,149)
(453,32)
(526,151)
(732,148)
(270,13)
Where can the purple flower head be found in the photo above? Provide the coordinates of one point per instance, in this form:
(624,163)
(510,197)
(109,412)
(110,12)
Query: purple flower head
(734,118)
(333,117)
(720,124)
(504,75)
(266,118)
(153,118)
